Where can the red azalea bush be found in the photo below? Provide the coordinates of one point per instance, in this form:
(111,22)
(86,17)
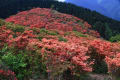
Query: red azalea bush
(8,75)
(50,19)
(4,34)
(100,49)
(22,41)
(113,64)
(77,54)
(108,52)
(53,52)
(61,56)
(69,53)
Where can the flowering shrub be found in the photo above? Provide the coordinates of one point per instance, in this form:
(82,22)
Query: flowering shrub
(61,56)
(50,19)
(4,34)
(8,75)
(100,49)
(49,45)
(114,64)
(54,54)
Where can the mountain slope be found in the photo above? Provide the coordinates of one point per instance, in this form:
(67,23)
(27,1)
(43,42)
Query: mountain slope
(92,17)
(51,19)
(53,46)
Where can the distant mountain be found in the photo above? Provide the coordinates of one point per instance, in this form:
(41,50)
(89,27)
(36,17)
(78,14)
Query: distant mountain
(108,8)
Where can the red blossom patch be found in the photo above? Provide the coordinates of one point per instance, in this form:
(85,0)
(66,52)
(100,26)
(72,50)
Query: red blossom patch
(8,74)
(50,19)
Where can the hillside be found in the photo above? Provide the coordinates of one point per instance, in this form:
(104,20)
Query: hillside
(101,23)
(44,44)
(51,19)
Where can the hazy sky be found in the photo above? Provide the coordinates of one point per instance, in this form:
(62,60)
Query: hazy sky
(99,1)
(61,0)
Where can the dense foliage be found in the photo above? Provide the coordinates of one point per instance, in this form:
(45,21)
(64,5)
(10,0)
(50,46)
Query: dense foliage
(50,19)
(40,50)
(115,38)
(101,23)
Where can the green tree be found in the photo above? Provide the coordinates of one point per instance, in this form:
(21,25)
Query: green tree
(99,26)
(115,38)
(108,32)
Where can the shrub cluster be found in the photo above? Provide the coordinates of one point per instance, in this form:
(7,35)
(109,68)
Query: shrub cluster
(32,52)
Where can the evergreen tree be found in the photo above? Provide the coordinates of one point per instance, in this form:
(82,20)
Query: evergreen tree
(99,26)
(108,32)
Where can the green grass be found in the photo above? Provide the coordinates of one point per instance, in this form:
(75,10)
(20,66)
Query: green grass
(78,34)
(67,33)
(60,38)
